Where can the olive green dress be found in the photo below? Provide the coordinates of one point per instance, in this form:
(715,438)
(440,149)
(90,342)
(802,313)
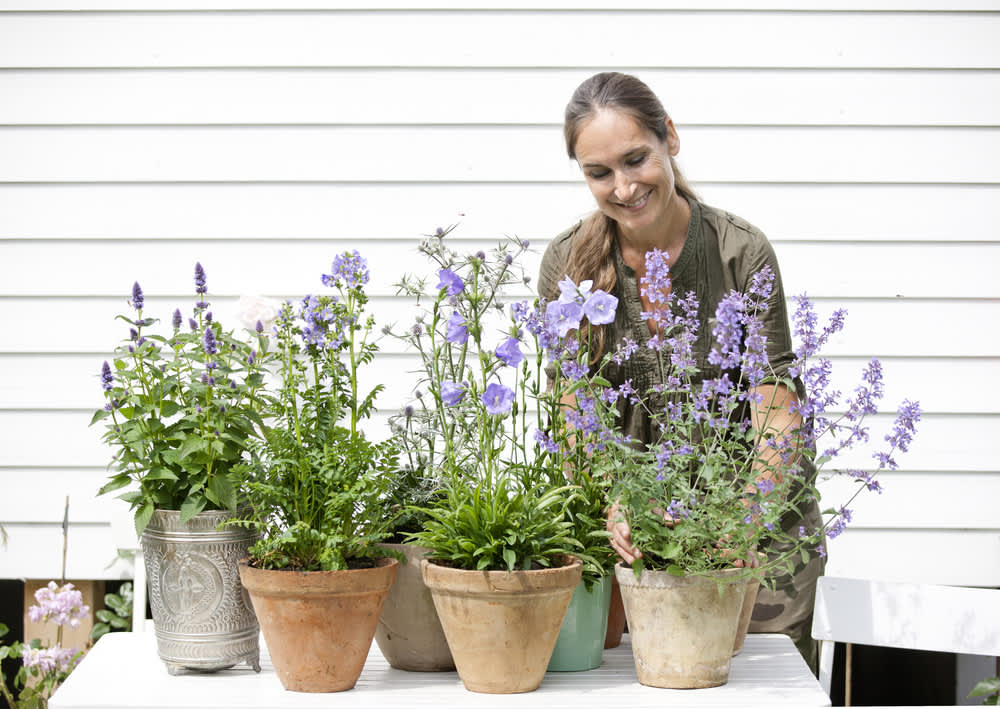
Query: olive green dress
(721,253)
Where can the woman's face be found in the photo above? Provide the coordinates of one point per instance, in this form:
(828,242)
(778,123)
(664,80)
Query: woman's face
(628,169)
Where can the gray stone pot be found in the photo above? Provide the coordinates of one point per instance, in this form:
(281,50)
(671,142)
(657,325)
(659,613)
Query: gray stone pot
(409,632)
(203,617)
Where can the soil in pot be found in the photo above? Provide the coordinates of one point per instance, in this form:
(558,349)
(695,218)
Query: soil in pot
(682,627)
(319,625)
(501,626)
(409,633)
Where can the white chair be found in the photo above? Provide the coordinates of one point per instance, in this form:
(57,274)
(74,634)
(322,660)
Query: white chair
(955,619)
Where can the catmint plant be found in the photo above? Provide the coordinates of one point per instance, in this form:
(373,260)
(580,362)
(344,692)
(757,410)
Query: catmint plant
(43,669)
(717,481)
(316,492)
(180,409)
(491,431)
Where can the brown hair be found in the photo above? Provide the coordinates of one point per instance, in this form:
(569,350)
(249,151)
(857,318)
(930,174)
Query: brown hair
(590,254)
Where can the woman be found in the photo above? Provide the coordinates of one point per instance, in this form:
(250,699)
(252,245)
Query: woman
(625,143)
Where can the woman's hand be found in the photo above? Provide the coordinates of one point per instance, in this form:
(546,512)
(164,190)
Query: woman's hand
(621,535)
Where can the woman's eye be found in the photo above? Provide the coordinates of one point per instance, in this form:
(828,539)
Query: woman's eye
(635,160)
(599,174)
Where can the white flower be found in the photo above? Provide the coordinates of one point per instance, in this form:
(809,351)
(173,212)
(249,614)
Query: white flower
(254,308)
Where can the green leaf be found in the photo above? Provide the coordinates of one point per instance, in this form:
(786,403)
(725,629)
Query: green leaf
(116,483)
(224,491)
(510,557)
(194,504)
(142,517)
(675,570)
(160,473)
(98,416)
(985,687)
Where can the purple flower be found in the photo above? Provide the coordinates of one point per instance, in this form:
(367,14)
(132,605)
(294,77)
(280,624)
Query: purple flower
(452,393)
(200,281)
(208,342)
(545,442)
(510,352)
(656,283)
(177,320)
(450,280)
(59,605)
(600,308)
(259,327)
(137,297)
(573,370)
(570,292)
(349,268)
(560,318)
(458,333)
(497,399)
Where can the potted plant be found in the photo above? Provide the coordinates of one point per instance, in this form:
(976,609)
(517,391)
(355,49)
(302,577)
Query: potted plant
(509,536)
(316,576)
(409,632)
(181,410)
(724,475)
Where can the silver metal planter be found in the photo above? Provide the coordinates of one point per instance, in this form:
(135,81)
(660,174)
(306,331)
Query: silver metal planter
(204,620)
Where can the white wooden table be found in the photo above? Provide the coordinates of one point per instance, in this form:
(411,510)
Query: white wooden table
(122,670)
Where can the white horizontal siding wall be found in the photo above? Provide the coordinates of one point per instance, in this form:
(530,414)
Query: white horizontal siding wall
(262,138)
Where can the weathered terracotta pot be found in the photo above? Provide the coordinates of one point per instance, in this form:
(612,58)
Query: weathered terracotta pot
(746,612)
(501,626)
(682,627)
(616,617)
(318,625)
(409,633)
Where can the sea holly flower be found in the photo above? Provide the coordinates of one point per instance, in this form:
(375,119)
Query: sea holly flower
(497,399)
(452,393)
(458,333)
(450,280)
(509,352)
(600,307)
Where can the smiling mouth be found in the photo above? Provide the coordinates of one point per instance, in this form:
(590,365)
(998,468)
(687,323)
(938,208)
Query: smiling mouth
(636,204)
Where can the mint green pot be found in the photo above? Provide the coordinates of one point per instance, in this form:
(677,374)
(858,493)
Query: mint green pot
(581,639)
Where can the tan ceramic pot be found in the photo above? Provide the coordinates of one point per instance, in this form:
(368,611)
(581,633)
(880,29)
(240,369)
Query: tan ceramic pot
(746,612)
(409,633)
(502,626)
(682,627)
(318,625)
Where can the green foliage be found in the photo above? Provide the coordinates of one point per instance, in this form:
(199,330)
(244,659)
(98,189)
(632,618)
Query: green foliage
(988,688)
(316,491)
(118,614)
(180,412)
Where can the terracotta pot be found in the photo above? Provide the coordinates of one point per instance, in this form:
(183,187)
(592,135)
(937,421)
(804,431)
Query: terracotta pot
(409,633)
(318,625)
(501,626)
(682,627)
(616,617)
(746,612)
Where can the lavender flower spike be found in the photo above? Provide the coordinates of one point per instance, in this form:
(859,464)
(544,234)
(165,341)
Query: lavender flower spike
(137,300)
(107,378)
(177,320)
(200,286)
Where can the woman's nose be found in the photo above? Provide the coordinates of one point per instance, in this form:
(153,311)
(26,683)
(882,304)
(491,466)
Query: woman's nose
(624,188)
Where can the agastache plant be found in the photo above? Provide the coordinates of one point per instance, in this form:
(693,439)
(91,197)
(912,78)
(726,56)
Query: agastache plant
(717,481)
(43,669)
(316,494)
(492,432)
(180,409)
